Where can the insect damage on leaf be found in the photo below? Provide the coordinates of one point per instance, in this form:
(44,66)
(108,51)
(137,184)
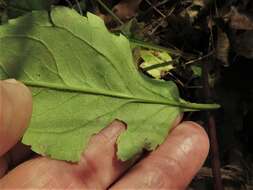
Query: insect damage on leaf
(82,77)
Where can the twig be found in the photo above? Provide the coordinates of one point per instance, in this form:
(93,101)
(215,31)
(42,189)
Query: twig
(215,157)
(214,150)
(23,10)
(79,7)
(145,44)
(159,65)
(163,19)
(157,10)
(69,3)
(160,48)
(110,12)
(199,58)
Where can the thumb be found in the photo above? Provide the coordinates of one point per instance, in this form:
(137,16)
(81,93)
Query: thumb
(15,112)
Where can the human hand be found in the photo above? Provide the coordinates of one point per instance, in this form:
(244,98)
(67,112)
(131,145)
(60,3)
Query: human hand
(171,166)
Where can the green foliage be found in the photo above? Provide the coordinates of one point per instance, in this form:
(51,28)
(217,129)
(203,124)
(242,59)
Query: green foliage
(156,63)
(197,70)
(82,77)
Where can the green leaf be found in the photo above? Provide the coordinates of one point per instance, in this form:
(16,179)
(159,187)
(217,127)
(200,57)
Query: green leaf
(156,63)
(82,77)
(197,70)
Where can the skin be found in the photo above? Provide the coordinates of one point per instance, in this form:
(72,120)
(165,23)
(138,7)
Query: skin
(171,166)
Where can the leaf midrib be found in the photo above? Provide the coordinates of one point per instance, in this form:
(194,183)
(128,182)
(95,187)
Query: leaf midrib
(56,86)
(59,87)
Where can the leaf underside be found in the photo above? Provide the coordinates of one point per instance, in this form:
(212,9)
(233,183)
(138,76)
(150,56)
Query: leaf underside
(82,77)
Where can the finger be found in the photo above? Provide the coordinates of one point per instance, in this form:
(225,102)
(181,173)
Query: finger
(15,112)
(96,169)
(173,164)
(101,160)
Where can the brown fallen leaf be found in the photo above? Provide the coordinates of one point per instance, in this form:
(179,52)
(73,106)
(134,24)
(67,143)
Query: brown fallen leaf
(240,20)
(222,47)
(126,9)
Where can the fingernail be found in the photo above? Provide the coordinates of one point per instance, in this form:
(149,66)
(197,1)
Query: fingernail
(13,81)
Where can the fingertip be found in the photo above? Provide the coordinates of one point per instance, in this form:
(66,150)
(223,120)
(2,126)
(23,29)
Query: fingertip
(173,164)
(191,145)
(110,133)
(15,112)
(198,132)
